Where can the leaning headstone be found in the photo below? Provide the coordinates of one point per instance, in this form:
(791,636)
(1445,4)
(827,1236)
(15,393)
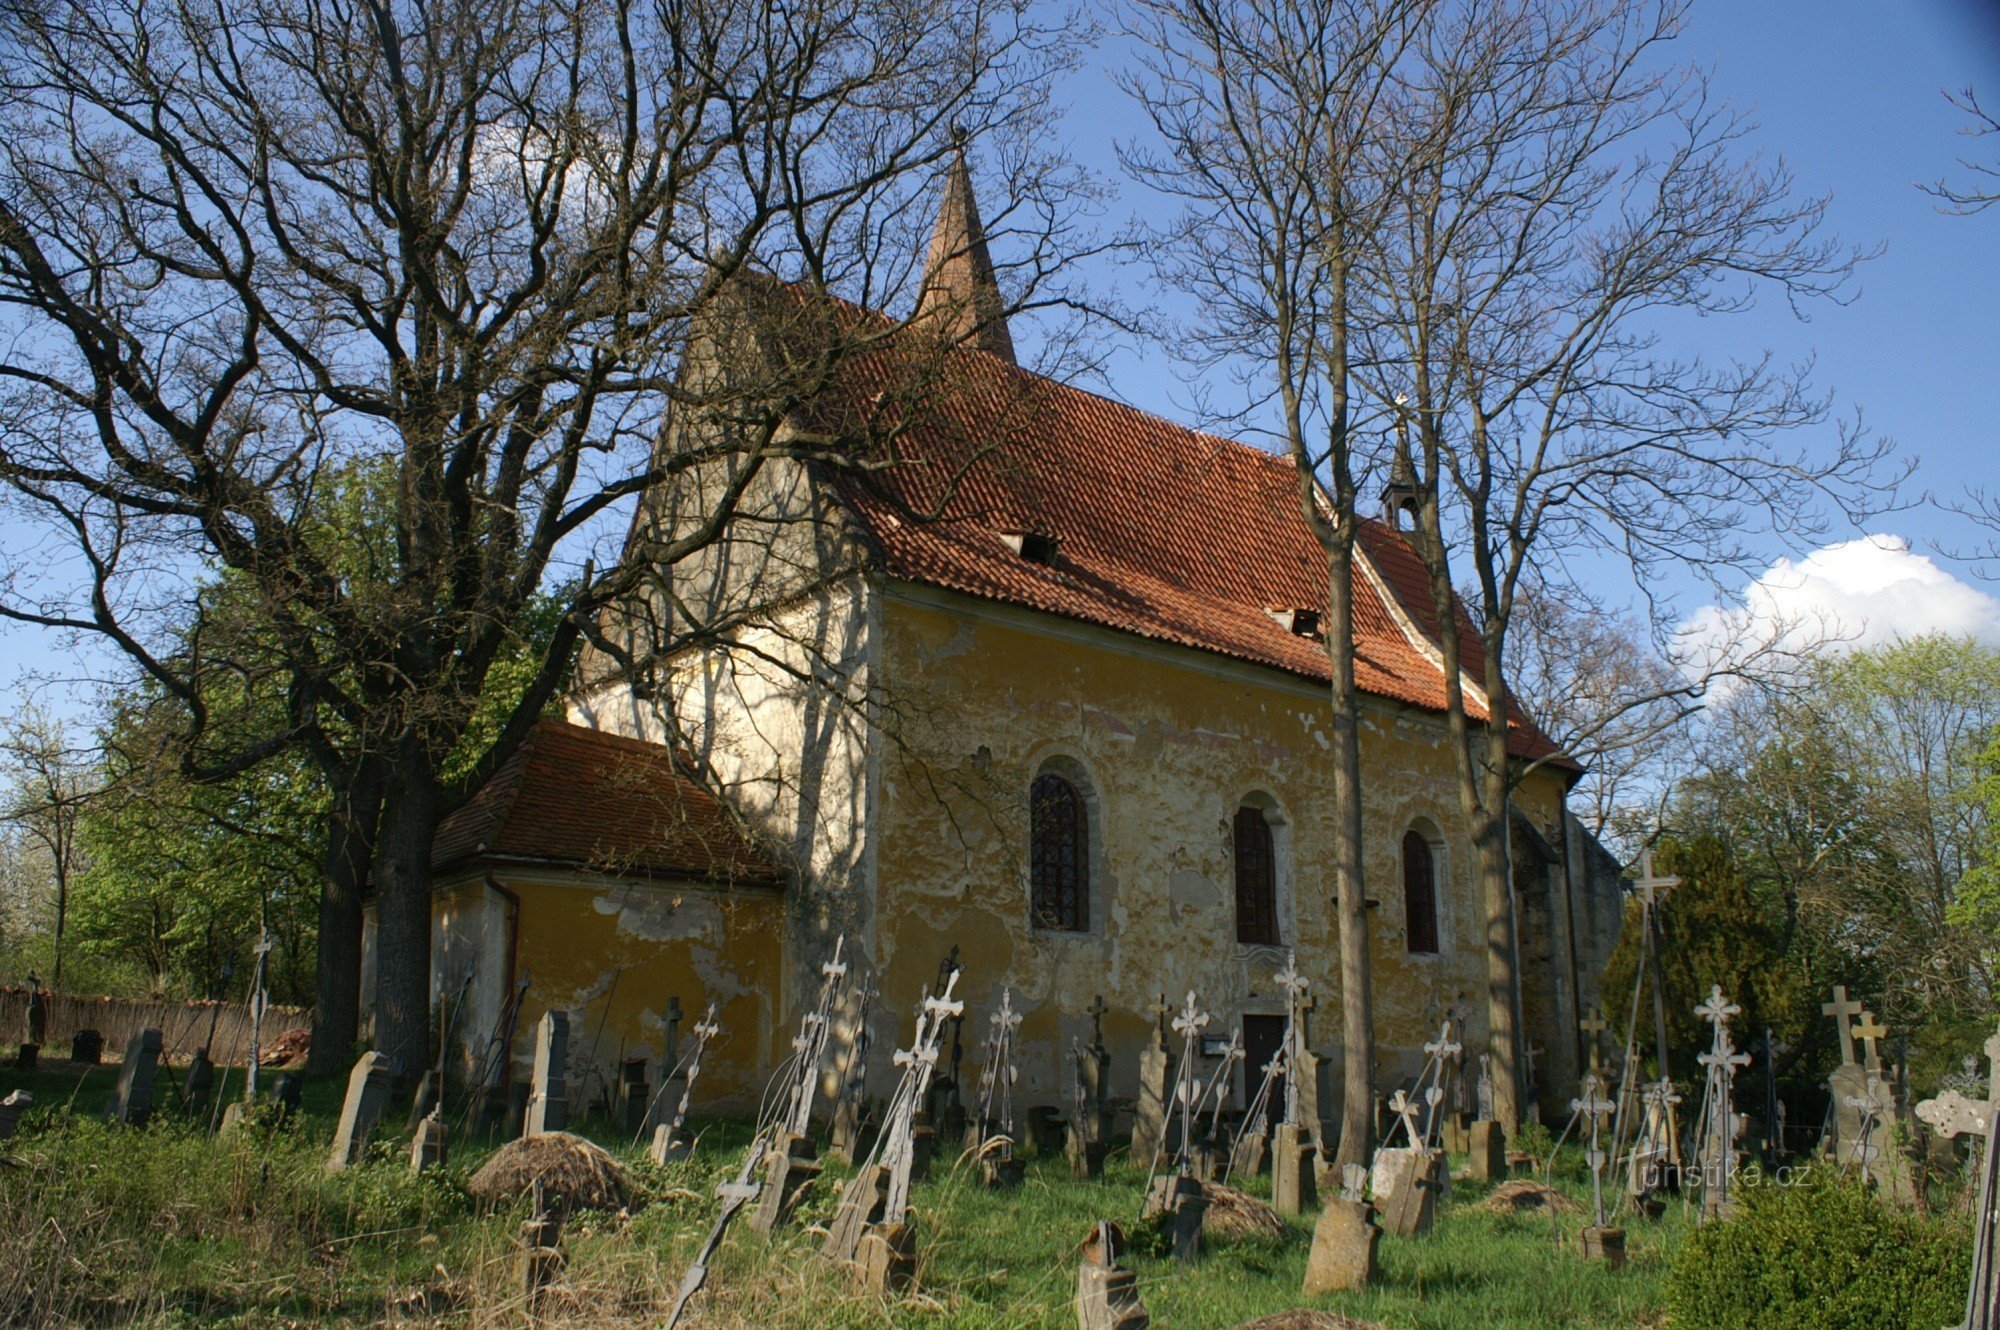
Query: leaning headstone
(11,1109)
(1344,1241)
(548,1084)
(132,1098)
(87,1047)
(1107,1293)
(670,1139)
(369,1086)
(1406,1187)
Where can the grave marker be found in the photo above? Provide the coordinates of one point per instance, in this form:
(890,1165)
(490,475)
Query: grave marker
(548,1082)
(1717,1129)
(1344,1240)
(669,1139)
(791,1167)
(369,1086)
(11,1109)
(132,1098)
(1107,1294)
(1149,1125)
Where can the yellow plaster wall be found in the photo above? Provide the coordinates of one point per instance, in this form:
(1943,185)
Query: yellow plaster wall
(612,953)
(1170,743)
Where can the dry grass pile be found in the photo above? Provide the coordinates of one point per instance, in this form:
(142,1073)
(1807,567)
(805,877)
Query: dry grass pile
(573,1172)
(1523,1194)
(1237,1214)
(1307,1320)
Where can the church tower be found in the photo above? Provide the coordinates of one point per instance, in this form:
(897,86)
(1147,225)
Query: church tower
(960,294)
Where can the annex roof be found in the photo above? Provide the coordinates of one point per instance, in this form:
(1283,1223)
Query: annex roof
(581,798)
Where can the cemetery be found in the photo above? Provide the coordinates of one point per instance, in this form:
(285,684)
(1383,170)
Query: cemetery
(388,1200)
(1023,665)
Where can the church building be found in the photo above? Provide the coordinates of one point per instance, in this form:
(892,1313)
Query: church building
(1047,695)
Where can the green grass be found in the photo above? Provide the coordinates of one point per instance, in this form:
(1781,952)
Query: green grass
(168,1227)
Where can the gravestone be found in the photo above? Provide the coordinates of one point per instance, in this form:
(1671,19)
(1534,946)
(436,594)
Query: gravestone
(850,1104)
(634,1094)
(670,1139)
(1294,1148)
(1149,1125)
(1344,1241)
(548,1084)
(1953,1114)
(424,1100)
(28,1057)
(200,1082)
(1293,1187)
(369,1086)
(1487,1148)
(1107,1293)
(991,1136)
(1086,1136)
(1405,1184)
(11,1109)
(87,1047)
(38,1013)
(132,1098)
(427,1147)
(1600,1241)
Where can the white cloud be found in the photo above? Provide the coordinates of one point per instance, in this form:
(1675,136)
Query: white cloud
(1856,593)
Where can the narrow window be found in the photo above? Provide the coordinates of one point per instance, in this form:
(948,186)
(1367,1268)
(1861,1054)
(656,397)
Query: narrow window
(1058,858)
(1420,913)
(1256,879)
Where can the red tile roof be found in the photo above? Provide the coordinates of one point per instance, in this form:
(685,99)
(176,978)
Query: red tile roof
(582,798)
(1164,532)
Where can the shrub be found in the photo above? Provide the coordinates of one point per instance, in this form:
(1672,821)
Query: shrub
(1819,1251)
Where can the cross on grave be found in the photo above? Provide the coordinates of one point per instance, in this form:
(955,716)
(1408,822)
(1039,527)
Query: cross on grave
(1407,1109)
(1189,1024)
(669,1141)
(1650,887)
(1593,1027)
(1842,1009)
(260,1002)
(1718,1118)
(1295,986)
(1594,1107)
(1161,1011)
(789,1164)
(997,1075)
(1096,1011)
(1868,1030)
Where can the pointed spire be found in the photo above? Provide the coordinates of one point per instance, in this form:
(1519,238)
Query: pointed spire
(960,292)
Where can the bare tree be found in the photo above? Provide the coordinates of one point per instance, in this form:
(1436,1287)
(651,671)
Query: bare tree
(263,251)
(49,784)
(1576,192)
(1982,189)
(1267,110)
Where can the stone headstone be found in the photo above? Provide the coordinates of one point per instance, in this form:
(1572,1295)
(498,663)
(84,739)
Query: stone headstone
(1604,1244)
(1487,1146)
(424,1100)
(38,1015)
(633,1094)
(1149,1125)
(11,1109)
(548,1083)
(369,1086)
(132,1098)
(87,1047)
(28,1057)
(427,1147)
(1406,1185)
(1343,1247)
(200,1082)
(1293,1189)
(1107,1294)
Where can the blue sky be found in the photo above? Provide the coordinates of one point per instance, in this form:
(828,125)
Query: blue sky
(1849,92)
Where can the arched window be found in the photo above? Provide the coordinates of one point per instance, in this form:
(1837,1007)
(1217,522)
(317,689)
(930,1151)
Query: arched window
(1058,855)
(1256,879)
(1420,911)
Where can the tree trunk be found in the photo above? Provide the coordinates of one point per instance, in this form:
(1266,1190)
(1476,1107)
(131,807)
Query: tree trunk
(410,813)
(350,848)
(1357,994)
(1492,863)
